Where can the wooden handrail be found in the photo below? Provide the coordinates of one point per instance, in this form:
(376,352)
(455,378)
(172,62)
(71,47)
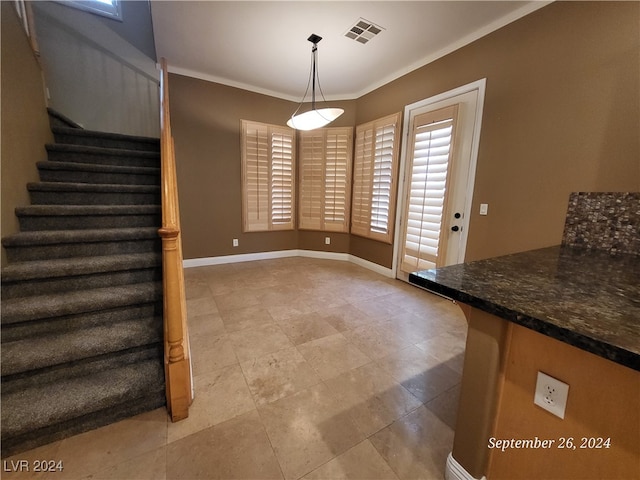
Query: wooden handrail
(177,355)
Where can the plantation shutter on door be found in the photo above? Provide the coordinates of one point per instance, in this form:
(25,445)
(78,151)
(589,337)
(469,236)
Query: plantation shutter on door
(375,178)
(267,177)
(325,179)
(425,207)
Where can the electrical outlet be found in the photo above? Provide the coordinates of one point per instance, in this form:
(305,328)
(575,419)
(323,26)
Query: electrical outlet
(235,242)
(327,240)
(551,394)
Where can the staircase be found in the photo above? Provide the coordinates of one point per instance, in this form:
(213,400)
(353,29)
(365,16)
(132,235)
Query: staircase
(82,328)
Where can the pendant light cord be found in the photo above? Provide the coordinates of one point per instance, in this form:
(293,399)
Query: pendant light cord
(314,56)
(317,74)
(313,78)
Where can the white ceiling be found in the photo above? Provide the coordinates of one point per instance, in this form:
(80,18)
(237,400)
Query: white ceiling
(262,45)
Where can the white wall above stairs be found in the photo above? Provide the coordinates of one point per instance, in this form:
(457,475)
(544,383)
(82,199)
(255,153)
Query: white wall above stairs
(94,76)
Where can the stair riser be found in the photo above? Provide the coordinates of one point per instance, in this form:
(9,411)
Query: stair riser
(93,198)
(48,326)
(83,222)
(81,282)
(105,142)
(119,337)
(75,176)
(16,383)
(68,250)
(59,431)
(120,160)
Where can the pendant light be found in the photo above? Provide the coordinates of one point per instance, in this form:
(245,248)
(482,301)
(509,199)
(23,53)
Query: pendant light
(314,118)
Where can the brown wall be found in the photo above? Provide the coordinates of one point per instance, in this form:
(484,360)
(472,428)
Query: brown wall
(25,125)
(205,118)
(561,114)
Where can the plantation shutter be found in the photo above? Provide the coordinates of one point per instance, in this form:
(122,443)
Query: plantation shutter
(325,179)
(375,178)
(267,177)
(311,184)
(282,180)
(432,138)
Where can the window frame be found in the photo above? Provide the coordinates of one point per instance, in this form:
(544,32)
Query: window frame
(333,166)
(266,133)
(112,10)
(364,185)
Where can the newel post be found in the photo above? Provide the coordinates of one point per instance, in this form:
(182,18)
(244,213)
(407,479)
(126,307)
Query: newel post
(177,366)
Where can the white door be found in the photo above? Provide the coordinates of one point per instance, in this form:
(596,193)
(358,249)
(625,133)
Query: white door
(438,171)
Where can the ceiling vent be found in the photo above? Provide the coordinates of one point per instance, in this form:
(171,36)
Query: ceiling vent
(363,31)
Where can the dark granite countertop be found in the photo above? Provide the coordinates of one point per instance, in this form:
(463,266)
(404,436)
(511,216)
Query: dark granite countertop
(588,299)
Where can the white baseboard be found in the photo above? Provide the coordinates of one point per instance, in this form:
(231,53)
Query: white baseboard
(344,257)
(250,257)
(455,471)
(244,257)
(387,272)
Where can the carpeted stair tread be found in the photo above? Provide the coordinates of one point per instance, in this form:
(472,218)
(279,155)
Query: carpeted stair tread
(74,266)
(40,277)
(58,152)
(71,346)
(97,168)
(51,325)
(55,237)
(86,366)
(69,210)
(24,309)
(47,404)
(88,209)
(91,187)
(87,217)
(78,136)
(81,132)
(74,193)
(95,173)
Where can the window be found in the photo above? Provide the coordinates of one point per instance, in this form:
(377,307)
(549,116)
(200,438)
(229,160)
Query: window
(106,8)
(268,176)
(325,179)
(375,178)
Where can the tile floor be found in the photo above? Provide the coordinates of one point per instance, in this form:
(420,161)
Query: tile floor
(303,368)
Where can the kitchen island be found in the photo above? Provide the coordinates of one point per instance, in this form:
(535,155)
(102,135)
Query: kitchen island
(572,313)
(588,299)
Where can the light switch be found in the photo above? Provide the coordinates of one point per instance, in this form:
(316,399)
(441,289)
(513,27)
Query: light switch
(484,208)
